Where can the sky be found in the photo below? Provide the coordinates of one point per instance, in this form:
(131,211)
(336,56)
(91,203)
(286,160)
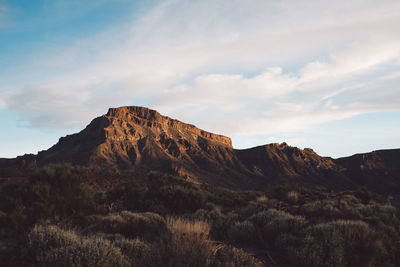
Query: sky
(312,73)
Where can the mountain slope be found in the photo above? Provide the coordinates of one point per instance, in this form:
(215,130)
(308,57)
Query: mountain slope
(378,170)
(135,140)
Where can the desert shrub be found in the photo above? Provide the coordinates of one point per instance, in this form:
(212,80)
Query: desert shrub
(326,209)
(130,195)
(285,223)
(243,232)
(14,198)
(262,199)
(285,241)
(60,189)
(227,197)
(271,223)
(385,214)
(228,256)
(261,218)
(156,180)
(146,225)
(249,195)
(220,223)
(188,244)
(91,251)
(293,197)
(338,243)
(366,196)
(52,246)
(3,219)
(43,238)
(170,194)
(284,187)
(140,253)
(179,199)
(12,195)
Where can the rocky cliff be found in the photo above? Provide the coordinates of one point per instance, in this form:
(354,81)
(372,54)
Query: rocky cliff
(135,140)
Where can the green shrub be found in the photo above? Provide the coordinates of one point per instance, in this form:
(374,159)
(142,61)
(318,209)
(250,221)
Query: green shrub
(271,223)
(146,225)
(290,224)
(179,199)
(52,246)
(156,180)
(43,238)
(220,223)
(338,243)
(227,197)
(91,251)
(140,253)
(243,232)
(262,218)
(60,189)
(326,209)
(228,256)
(131,195)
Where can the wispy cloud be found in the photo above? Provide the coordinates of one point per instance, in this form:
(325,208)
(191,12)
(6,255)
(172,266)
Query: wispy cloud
(233,67)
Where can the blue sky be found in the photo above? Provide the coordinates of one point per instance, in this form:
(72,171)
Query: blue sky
(320,74)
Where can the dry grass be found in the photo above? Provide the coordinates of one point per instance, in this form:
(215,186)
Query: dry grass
(293,197)
(189,244)
(195,229)
(262,199)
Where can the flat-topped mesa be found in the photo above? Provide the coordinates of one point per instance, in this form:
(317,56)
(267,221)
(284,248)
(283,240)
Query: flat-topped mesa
(140,112)
(151,118)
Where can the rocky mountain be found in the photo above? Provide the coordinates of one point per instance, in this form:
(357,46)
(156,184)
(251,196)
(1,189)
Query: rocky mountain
(135,140)
(378,170)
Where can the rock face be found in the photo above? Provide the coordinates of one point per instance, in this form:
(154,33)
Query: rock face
(378,170)
(135,140)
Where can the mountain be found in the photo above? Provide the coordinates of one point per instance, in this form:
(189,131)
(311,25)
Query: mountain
(378,170)
(135,140)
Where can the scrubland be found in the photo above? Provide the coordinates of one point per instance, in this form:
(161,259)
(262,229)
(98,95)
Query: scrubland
(57,217)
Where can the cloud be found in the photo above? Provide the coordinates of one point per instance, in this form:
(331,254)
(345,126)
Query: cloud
(274,102)
(233,67)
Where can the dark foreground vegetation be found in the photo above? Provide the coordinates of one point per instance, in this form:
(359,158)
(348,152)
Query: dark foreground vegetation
(57,217)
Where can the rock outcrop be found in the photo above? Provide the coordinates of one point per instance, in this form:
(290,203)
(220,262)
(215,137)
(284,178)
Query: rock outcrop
(136,140)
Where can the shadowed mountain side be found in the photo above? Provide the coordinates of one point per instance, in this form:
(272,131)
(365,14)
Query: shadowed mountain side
(378,170)
(303,166)
(136,140)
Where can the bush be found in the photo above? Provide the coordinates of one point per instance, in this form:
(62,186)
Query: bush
(243,232)
(226,197)
(147,225)
(271,223)
(228,256)
(189,244)
(131,195)
(283,224)
(326,209)
(60,189)
(220,223)
(338,243)
(179,199)
(52,246)
(293,197)
(140,253)
(91,251)
(156,180)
